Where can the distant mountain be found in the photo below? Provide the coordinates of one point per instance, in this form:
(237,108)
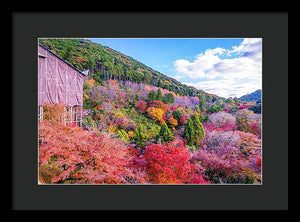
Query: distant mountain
(106,63)
(251,97)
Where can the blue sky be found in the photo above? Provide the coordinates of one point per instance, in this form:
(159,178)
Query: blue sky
(226,67)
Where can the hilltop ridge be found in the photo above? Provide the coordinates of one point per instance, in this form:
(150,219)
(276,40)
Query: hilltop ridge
(251,97)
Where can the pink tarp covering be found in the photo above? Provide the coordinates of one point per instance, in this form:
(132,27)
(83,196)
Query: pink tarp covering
(57,81)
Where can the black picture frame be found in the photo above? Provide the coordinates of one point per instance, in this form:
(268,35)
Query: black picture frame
(273,194)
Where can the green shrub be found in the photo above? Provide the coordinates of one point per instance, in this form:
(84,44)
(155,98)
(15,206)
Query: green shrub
(123,135)
(214,109)
(165,134)
(140,137)
(88,122)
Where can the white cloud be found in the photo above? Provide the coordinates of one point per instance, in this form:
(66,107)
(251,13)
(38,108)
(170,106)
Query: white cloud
(238,74)
(227,88)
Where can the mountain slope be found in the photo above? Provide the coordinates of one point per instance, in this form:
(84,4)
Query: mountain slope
(251,97)
(107,63)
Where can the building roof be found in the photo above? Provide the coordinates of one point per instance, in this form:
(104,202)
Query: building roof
(44,47)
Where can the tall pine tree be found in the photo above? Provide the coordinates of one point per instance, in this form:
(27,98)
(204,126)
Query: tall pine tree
(189,132)
(193,131)
(159,95)
(168,98)
(151,96)
(198,129)
(202,102)
(197,109)
(140,137)
(165,134)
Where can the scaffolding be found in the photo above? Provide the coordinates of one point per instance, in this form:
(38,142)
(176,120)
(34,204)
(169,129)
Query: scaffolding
(75,113)
(71,115)
(41,114)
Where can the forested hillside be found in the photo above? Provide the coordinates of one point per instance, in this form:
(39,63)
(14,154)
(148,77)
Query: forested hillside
(107,64)
(251,97)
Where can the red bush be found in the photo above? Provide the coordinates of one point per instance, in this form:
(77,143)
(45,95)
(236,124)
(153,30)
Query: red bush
(83,157)
(255,128)
(258,161)
(141,106)
(169,164)
(173,108)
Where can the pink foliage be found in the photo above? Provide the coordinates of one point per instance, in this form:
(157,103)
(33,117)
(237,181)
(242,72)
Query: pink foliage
(223,127)
(221,118)
(226,109)
(256,128)
(220,139)
(183,119)
(227,164)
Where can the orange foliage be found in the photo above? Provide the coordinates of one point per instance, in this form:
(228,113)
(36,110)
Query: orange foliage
(158,104)
(91,82)
(79,59)
(113,83)
(156,114)
(130,133)
(173,122)
(147,88)
(112,129)
(54,113)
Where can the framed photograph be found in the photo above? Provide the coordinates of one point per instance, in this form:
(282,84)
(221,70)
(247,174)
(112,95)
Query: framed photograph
(169,116)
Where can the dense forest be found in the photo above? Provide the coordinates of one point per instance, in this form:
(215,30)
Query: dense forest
(142,127)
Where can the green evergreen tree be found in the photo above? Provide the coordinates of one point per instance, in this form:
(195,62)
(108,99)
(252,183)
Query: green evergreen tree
(91,64)
(188,132)
(188,108)
(209,98)
(159,95)
(178,113)
(124,136)
(199,130)
(140,137)
(214,109)
(197,109)
(206,118)
(201,118)
(229,100)
(220,103)
(165,134)
(202,102)
(193,131)
(67,55)
(151,96)
(136,97)
(168,98)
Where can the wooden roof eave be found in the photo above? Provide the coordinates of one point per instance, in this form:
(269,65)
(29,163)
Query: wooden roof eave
(60,59)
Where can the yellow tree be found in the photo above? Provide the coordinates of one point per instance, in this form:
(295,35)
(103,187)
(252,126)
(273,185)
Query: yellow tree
(173,122)
(155,114)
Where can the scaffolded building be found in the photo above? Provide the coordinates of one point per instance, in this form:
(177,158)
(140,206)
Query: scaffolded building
(59,83)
